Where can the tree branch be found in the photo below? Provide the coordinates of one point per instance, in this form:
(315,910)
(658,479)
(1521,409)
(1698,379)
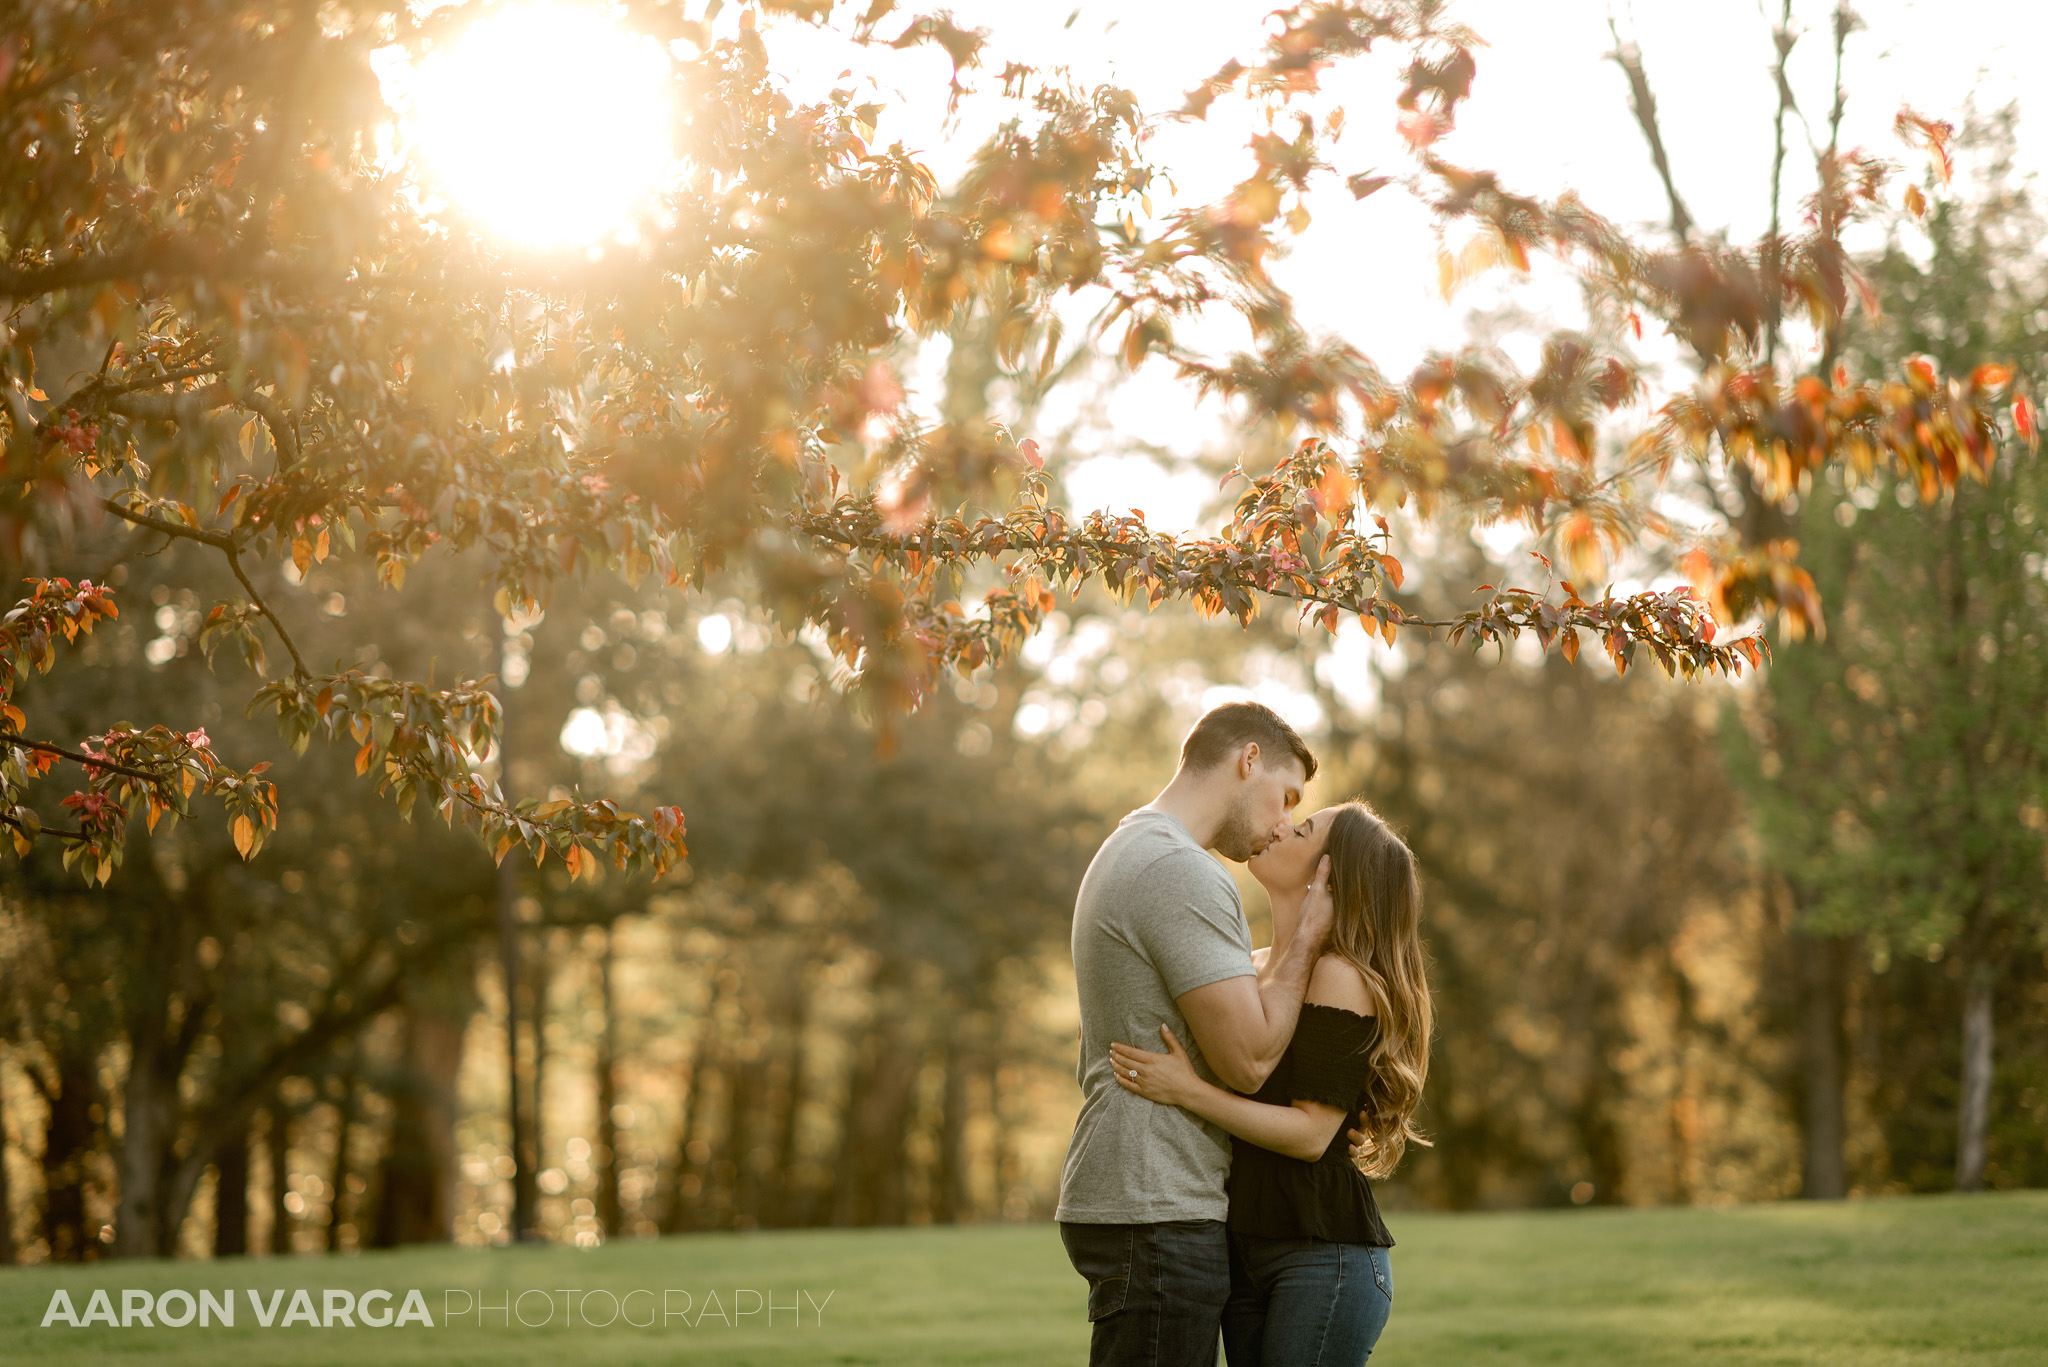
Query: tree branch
(24,743)
(189,372)
(1847,21)
(157,524)
(172,407)
(226,544)
(284,433)
(1643,104)
(173,258)
(45,830)
(1782,39)
(125,399)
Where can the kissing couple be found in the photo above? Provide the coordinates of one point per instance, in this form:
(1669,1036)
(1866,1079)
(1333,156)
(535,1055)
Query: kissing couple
(1209,1184)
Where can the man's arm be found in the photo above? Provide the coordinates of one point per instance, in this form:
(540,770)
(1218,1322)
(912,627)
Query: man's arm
(1243,1024)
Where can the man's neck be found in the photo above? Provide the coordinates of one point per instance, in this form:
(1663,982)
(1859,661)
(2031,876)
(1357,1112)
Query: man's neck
(1192,803)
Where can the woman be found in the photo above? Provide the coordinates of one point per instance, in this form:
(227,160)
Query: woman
(1310,1278)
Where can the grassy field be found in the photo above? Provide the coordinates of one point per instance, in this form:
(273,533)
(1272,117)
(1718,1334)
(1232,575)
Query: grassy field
(1929,1280)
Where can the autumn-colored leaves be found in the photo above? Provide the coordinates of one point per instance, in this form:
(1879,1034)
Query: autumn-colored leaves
(417,742)
(153,772)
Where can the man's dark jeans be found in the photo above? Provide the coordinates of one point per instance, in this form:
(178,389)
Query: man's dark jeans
(1155,1292)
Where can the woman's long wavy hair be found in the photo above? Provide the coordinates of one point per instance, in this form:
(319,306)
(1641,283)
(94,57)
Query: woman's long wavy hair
(1378,931)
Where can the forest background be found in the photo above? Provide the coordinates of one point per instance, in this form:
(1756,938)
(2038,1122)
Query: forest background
(1694,942)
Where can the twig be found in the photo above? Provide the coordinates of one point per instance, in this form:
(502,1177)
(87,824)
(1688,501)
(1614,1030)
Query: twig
(226,544)
(298,664)
(157,524)
(24,743)
(44,830)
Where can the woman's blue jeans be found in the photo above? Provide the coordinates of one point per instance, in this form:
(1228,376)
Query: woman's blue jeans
(1304,1302)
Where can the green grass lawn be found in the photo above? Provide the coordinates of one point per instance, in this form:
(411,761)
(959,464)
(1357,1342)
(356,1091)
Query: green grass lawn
(1928,1280)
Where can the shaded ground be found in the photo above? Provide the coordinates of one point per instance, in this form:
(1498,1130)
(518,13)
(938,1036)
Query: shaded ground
(1927,1280)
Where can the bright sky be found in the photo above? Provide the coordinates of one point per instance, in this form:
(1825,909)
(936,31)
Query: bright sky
(1547,109)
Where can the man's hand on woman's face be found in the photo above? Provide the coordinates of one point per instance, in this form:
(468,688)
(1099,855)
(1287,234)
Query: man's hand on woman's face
(1318,912)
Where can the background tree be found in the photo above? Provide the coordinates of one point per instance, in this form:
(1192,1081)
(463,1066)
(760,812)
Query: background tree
(1901,806)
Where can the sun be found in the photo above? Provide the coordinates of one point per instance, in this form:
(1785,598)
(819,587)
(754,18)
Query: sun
(546,123)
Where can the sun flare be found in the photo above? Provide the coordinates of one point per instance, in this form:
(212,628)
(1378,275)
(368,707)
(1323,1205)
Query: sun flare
(547,123)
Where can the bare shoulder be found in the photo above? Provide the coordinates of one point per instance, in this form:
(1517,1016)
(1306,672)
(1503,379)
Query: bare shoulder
(1336,982)
(1259,957)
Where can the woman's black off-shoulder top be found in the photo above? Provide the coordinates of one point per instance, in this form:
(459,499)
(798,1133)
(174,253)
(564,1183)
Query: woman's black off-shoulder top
(1278,1197)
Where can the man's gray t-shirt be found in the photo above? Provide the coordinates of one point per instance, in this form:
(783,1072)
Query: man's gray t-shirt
(1156,917)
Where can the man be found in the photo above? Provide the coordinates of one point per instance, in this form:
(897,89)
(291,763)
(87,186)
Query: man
(1160,936)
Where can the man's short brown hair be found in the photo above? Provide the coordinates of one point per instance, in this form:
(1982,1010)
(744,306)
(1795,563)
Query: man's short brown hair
(1224,730)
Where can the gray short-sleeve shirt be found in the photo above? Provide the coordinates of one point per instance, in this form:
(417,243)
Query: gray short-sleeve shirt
(1156,917)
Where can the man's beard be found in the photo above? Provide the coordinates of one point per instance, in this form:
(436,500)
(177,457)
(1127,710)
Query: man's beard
(1237,839)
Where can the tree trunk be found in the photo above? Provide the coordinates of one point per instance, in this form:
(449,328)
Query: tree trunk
(871,1189)
(67,1142)
(525,1191)
(278,1143)
(1821,968)
(949,1187)
(149,1105)
(790,1203)
(344,1131)
(541,972)
(416,1186)
(685,1193)
(7,1251)
(742,1111)
(607,1098)
(1002,1158)
(1974,1116)
(231,1196)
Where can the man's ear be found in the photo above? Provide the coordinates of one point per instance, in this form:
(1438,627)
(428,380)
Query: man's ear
(1248,759)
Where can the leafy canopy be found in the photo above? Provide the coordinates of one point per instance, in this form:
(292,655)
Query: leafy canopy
(228,321)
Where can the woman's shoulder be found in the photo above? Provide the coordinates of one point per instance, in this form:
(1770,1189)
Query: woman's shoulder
(1337,982)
